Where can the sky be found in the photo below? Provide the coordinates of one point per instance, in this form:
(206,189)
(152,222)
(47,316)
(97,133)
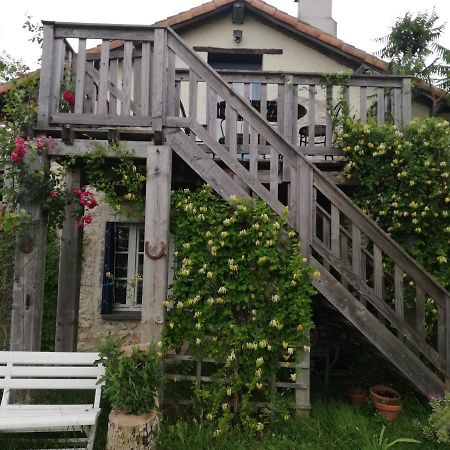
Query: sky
(359,21)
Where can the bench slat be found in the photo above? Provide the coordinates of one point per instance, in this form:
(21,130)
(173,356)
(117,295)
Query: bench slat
(60,358)
(52,371)
(46,383)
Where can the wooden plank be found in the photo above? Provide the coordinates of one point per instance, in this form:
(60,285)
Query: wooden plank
(441,331)
(335,231)
(159,79)
(345,257)
(112,82)
(392,348)
(81,74)
(126,78)
(303,378)
(102,120)
(103,81)
(58,75)
(145,79)
(202,164)
(45,83)
(171,102)
(312,115)
(90,93)
(245,125)
(52,372)
(105,32)
(177,99)
(288,108)
(274,168)
(231,136)
(304,195)
(378,272)
(420,313)
(136,76)
(50,358)
(397,110)
(193,95)
(156,237)
(211,111)
(329,119)
(253,163)
(406,101)
(399,292)
(29,274)
(280,109)
(363,104)
(381,105)
(263,110)
(42,383)
(356,250)
(69,279)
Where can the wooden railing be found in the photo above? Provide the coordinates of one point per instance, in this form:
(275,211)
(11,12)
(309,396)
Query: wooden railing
(337,237)
(120,82)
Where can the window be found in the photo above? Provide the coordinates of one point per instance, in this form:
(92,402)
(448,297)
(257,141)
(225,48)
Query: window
(123,267)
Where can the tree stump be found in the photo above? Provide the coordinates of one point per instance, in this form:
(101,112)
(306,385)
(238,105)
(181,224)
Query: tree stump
(127,431)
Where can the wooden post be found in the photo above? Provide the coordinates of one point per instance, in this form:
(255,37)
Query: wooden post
(69,279)
(45,84)
(157,222)
(29,271)
(159,90)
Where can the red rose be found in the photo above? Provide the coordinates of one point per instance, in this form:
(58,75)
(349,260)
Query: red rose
(92,204)
(15,157)
(88,219)
(69,97)
(53,194)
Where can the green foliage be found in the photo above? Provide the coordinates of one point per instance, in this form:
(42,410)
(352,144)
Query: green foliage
(122,180)
(438,426)
(383,443)
(241,295)
(413,49)
(131,381)
(403,184)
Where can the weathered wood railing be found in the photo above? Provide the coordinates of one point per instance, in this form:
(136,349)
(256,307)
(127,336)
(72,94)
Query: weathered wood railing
(353,254)
(121,82)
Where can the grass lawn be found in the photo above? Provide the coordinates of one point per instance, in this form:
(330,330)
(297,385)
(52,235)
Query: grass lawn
(334,425)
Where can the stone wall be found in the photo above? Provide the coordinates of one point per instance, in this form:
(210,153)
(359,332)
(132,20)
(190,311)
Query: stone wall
(93,328)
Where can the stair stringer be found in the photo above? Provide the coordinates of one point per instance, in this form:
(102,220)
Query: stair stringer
(425,380)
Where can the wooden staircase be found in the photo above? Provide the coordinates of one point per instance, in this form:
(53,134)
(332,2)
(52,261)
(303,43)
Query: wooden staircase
(365,275)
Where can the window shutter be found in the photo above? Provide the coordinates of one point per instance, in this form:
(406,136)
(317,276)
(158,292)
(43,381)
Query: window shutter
(108,266)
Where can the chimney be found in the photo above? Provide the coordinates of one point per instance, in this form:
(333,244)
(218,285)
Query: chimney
(318,14)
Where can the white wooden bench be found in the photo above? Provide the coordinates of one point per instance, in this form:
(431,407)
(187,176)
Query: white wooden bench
(50,371)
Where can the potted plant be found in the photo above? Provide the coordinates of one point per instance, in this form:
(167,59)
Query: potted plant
(384,394)
(388,410)
(358,396)
(132,379)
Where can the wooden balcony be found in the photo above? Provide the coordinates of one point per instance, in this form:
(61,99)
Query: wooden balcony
(134,79)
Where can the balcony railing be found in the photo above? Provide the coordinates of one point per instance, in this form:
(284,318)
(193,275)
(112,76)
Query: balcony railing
(128,76)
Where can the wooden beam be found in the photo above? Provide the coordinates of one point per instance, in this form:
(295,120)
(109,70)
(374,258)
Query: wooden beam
(157,224)
(29,270)
(240,51)
(67,310)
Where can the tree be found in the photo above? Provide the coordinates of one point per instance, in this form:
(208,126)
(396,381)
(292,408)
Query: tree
(412,48)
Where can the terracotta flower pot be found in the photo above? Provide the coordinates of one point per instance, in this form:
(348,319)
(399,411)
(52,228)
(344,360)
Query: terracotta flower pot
(385,395)
(391,412)
(358,396)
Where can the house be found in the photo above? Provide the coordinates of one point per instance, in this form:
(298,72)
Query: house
(261,128)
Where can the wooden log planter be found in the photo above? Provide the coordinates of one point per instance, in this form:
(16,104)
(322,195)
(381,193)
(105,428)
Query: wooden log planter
(127,431)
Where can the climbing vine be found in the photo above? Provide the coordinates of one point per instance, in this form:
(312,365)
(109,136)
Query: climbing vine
(241,295)
(403,184)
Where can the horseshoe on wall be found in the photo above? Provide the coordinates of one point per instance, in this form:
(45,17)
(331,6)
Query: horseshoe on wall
(159,255)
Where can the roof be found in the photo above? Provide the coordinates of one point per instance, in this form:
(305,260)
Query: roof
(282,17)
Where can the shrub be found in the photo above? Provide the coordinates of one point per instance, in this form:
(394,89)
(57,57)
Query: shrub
(131,381)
